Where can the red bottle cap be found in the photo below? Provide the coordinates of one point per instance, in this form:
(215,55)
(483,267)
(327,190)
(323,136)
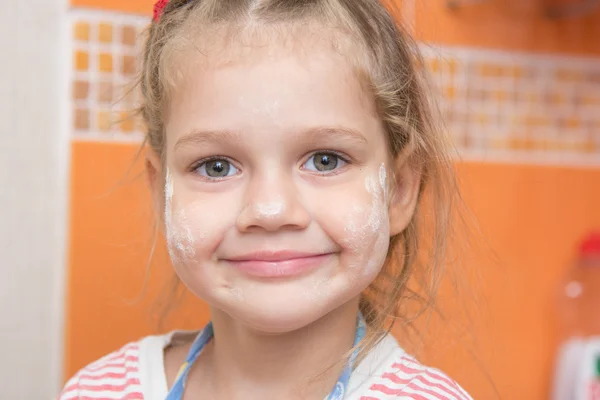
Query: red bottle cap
(590,247)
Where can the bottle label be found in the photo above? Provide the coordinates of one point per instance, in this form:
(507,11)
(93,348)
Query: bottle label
(594,393)
(588,387)
(577,374)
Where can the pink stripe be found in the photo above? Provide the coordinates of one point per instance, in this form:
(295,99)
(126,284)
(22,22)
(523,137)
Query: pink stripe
(129,396)
(118,354)
(389,391)
(114,363)
(427,391)
(396,379)
(368,398)
(130,368)
(100,387)
(114,375)
(408,368)
(428,371)
(450,382)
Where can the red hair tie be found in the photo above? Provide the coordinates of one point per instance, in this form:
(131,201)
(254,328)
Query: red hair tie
(159,8)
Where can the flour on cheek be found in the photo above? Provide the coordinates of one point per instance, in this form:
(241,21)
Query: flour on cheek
(367,227)
(180,238)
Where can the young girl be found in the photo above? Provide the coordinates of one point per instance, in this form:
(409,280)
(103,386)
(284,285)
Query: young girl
(290,142)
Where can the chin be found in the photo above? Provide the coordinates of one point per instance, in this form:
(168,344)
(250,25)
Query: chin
(280,309)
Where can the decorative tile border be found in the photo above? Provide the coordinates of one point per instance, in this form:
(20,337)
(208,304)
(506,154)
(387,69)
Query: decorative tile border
(499,106)
(531,107)
(105,49)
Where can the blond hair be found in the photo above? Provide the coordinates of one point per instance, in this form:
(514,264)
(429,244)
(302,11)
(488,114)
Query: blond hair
(395,79)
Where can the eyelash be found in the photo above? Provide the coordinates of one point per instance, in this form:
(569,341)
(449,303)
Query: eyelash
(341,156)
(199,163)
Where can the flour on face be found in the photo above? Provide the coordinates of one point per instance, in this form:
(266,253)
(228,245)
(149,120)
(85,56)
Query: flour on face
(180,239)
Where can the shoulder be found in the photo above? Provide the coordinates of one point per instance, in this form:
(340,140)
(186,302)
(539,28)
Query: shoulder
(406,378)
(397,375)
(135,372)
(115,376)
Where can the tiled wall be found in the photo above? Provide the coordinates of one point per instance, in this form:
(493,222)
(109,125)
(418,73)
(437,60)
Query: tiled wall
(519,106)
(499,106)
(105,50)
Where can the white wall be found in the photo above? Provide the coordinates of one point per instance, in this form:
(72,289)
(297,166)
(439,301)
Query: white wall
(33,175)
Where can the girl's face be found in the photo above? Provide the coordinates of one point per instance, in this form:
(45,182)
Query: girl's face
(276,194)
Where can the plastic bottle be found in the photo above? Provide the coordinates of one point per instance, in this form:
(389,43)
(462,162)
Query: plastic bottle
(577,371)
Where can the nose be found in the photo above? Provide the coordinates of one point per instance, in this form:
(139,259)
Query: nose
(273,203)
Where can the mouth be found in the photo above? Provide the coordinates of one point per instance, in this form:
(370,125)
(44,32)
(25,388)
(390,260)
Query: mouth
(280,264)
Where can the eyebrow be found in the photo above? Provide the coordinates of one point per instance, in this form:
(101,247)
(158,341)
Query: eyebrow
(315,134)
(333,132)
(198,137)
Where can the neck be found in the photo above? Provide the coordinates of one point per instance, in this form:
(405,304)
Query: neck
(300,364)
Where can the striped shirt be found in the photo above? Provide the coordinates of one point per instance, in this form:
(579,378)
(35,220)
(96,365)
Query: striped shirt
(136,372)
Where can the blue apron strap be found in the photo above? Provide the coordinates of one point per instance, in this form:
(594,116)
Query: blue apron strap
(338,393)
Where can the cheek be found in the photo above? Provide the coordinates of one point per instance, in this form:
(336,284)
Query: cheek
(195,225)
(360,227)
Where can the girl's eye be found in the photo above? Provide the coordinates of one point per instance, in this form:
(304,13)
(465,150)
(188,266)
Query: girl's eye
(324,162)
(217,168)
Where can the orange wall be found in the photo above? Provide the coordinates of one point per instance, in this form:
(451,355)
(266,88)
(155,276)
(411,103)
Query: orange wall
(508,25)
(530,216)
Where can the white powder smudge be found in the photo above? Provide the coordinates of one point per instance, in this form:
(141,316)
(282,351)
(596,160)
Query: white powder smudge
(319,289)
(383,181)
(180,240)
(361,233)
(237,293)
(269,210)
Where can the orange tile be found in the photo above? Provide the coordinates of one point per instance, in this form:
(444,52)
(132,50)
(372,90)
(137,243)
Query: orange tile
(568,75)
(80,90)
(140,125)
(499,143)
(450,92)
(500,95)
(489,70)
(555,98)
(105,92)
(128,35)
(105,32)
(81,119)
(104,121)
(128,65)
(128,98)
(81,60)
(452,66)
(573,122)
(518,72)
(81,31)
(590,146)
(433,64)
(105,62)
(127,122)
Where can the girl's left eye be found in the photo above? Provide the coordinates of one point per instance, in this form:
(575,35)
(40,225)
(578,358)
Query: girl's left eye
(324,162)
(217,168)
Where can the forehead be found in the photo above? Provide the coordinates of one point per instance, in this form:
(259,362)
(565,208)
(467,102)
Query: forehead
(240,81)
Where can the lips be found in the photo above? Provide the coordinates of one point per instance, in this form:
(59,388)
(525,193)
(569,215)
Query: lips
(277,264)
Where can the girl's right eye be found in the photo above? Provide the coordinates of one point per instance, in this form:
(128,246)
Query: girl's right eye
(216,168)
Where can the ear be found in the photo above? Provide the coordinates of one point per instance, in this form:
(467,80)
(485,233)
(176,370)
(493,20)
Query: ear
(404,194)
(155,182)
